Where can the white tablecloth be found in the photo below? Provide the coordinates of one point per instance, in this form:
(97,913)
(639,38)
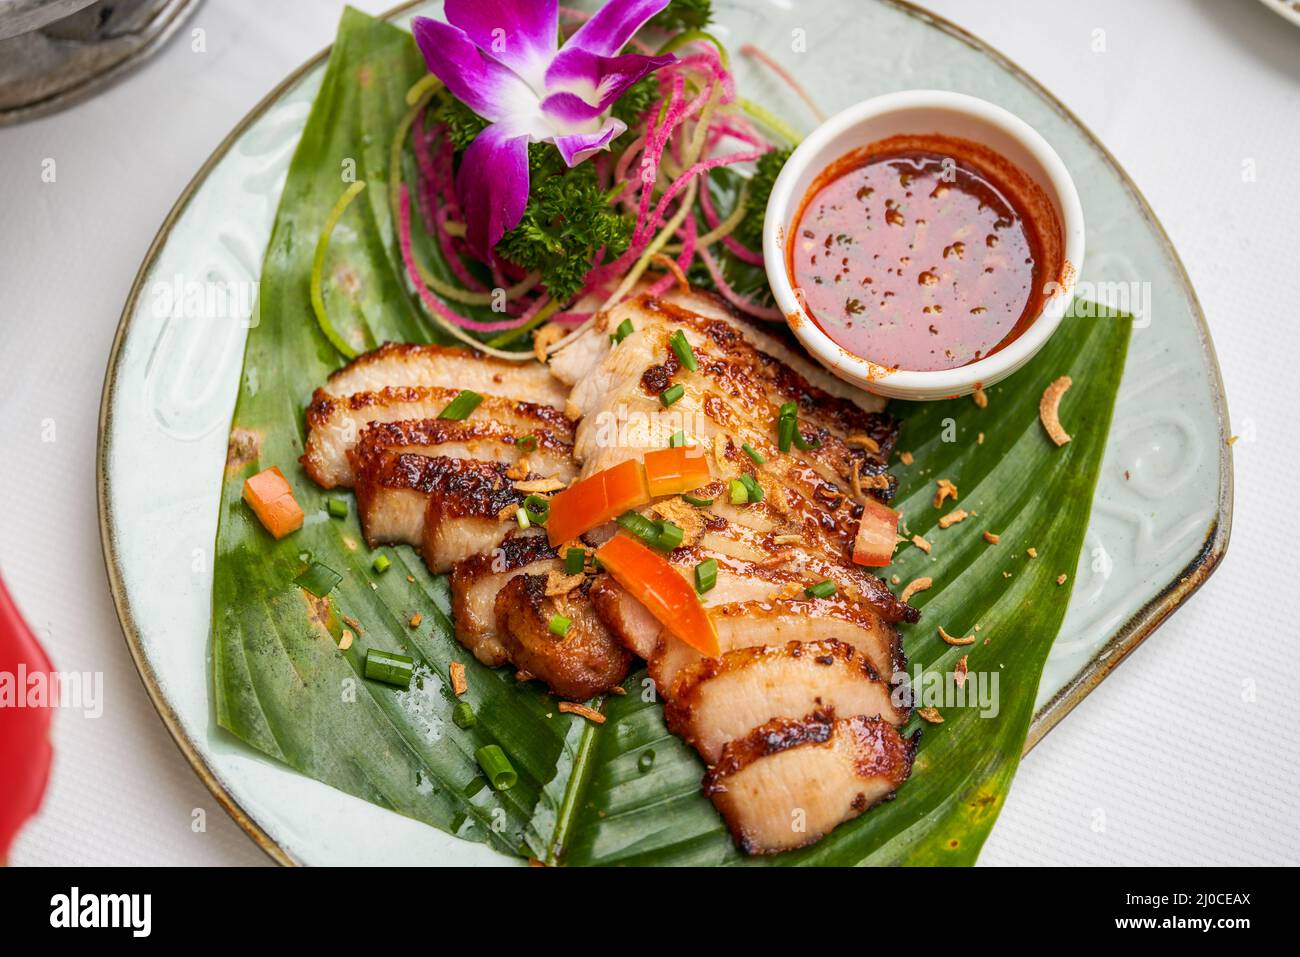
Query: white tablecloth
(1189,753)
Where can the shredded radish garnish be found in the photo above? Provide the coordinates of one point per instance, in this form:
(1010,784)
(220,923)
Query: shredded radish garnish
(682,263)
(657,180)
(750,50)
(733,297)
(702,166)
(741,252)
(432,302)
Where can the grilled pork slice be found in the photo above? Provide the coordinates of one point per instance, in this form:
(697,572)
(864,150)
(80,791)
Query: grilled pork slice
(580,358)
(503,613)
(583,662)
(334,424)
(546,453)
(408,364)
(790,782)
(750,624)
(400,496)
(396,477)
(477,580)
(722,699)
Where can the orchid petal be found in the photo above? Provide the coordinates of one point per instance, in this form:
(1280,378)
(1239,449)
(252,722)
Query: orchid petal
(598,80)
(579,147)
(492,186)
(613,25)
(521,34)
(482,84)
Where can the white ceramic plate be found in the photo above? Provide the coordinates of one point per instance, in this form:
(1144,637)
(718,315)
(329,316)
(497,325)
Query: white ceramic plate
(1160,517)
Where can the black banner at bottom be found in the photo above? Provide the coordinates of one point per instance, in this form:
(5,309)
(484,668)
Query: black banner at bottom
(374,906)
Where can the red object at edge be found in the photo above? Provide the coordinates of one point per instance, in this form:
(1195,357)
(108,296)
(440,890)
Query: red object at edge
(25,751)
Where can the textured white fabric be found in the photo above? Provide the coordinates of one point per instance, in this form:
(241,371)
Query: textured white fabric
(1188,754)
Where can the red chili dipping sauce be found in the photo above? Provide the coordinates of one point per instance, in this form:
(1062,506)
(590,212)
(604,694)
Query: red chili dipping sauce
(925,252)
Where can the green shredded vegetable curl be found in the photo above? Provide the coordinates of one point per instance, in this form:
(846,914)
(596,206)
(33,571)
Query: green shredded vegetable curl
(567,221)
(318,267)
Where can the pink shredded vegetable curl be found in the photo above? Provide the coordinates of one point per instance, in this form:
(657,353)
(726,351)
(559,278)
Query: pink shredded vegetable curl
(740,251)
(677,112)
(432,302)
(445,211)
(684,259)
(424,141)
(733,297)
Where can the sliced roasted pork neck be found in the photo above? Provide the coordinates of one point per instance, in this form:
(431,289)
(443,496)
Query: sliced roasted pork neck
(454,489)
(799,713)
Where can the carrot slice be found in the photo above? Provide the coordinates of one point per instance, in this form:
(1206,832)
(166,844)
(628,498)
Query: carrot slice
(877,535)
(270,496)
(651,580)
(676,470)
(596,500)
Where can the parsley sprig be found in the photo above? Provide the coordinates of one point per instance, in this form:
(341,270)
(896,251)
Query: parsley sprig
(567,221)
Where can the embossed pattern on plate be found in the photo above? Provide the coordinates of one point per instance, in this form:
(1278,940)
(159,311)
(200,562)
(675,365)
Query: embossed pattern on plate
(1161,512)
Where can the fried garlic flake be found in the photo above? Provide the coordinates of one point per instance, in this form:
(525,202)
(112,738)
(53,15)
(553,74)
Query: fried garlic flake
(945,490)
(914,586)
(1049,407)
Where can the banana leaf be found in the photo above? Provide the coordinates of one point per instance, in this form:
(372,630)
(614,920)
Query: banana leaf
(625,792)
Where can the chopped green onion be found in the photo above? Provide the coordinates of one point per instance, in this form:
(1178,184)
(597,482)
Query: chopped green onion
(820,590)
(786,426)
(785,431)
(559,625)
(697,502)
(640,526)
(739,492)
(526,444)
(390,668)
(685,354)
(672,394)
(646,761)
(318,579)
(803,445)
(536,508)
(754,490)
(463,715)
(496,766)
(622,332)
(521,516)
(789,410)
(753,453)
(706,575)
(381,563)
(460,407)
(338,507)
(574,560)
(670,536)
(677,440)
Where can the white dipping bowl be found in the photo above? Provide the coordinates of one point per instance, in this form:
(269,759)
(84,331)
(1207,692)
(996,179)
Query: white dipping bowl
(920,112)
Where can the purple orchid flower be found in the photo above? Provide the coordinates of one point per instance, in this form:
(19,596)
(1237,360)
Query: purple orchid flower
(503,60)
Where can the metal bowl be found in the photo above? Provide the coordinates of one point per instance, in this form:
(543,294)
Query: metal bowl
(54,53)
